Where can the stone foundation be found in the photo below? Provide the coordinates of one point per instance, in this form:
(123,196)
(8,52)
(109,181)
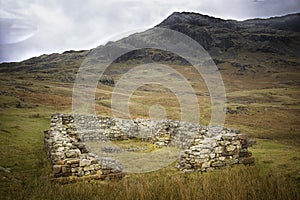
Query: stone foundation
(201,148)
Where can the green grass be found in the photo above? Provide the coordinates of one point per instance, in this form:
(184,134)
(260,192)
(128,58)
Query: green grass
(235,183)
(22,150)
(287,98)
(271,156)
(273,117)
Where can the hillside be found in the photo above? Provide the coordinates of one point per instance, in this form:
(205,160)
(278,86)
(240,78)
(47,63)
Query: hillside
(259,60)
(257,45)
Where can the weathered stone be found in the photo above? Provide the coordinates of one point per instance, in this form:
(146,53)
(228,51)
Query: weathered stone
(230,148)
(60,162)
(206,164)
(219,150)
(236,143)
(247,160)
(61,149)
(56,169)
(74,153)
(73,161)
(205,151)
(188,151)
(218,164)
(81,173)
(96,166)
(227,137)
(84,162)
(202,148)
(224,143)
(228,153)
(86,168)
(92,167)
(73,169)
(232,162)
(65,169)
(198,140)
(222,158)
(79,169)
(202,156)
(69,145)
(212,155)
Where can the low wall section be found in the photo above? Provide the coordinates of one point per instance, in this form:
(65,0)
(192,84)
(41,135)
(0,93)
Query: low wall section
(201,148)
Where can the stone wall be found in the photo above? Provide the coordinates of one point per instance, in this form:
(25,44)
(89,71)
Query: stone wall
(70,157)
(207,153)
(201,148)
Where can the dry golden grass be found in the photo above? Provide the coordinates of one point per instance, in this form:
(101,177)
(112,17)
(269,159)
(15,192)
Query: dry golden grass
(237,183)
(273,115)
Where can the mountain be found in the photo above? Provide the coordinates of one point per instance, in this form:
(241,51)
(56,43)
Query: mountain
(260,66)
(223,39)
(280,35)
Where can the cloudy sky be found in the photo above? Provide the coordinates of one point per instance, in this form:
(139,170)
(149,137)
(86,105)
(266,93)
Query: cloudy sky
(33,27)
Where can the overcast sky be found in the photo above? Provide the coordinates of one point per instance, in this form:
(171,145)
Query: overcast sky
(33,27)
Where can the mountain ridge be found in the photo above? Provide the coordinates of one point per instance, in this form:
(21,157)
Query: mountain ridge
(224,34)
(223,39)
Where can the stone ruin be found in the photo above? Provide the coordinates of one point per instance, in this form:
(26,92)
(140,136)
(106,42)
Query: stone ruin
(201,148)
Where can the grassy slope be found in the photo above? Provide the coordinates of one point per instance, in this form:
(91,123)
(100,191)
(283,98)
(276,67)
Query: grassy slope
(273,177)
(272,118)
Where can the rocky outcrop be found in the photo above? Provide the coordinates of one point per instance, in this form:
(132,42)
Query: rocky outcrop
(223,39)
(107,80)
(274,35)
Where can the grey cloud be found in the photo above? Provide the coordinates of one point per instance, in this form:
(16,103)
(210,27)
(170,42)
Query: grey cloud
(15,30)
(245,9)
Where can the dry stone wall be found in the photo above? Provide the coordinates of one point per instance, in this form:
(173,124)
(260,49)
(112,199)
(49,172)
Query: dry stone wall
(201,148)
(70,157)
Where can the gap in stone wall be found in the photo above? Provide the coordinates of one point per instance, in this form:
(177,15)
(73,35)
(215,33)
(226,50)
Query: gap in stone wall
(91,146)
